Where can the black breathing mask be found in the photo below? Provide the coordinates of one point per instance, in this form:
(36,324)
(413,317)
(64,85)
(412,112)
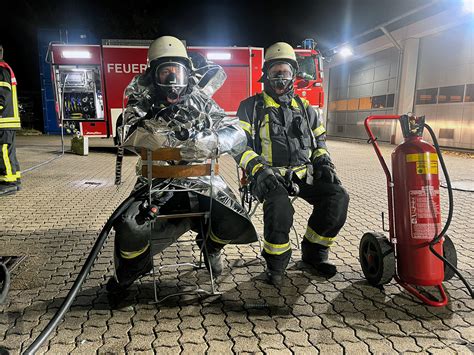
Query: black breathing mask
(280,75)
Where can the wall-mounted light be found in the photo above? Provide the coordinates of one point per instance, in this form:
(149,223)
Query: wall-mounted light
(345,52)
(76,54)
(468,6)
(219,56)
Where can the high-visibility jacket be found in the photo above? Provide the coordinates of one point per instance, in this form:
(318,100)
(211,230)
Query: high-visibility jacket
(280,136)
(9,113)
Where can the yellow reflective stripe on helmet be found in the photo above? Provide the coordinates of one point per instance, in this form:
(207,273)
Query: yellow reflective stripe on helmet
(318,131)
(314,237)
(216,239)
(318,152)
(5,85)
(133,254)
(256,168)
(247,157)
(276,249)
(246,126)
(268,100)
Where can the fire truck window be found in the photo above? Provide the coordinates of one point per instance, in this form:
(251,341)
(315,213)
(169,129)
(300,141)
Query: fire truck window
(450,94)
(390,100)
(307,67)
(469,96)
(379,101)
(426,96)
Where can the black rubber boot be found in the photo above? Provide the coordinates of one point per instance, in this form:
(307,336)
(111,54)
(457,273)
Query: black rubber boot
(317,256)
(213,257)
(274,278)
(8,189)
(128,271)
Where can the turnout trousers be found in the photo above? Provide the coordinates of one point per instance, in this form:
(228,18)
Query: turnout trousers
(329,202)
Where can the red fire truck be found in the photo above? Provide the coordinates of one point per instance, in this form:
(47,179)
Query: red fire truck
(89,80)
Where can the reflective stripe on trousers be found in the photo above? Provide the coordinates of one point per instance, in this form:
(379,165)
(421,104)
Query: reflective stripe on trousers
(314,237)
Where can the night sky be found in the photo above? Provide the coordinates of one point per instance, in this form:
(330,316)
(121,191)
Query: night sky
(241,23)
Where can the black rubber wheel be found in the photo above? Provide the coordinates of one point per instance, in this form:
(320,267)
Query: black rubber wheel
(449,252)
(376,259)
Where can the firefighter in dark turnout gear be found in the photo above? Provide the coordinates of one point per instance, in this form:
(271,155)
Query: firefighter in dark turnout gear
(286,137)
(9,123)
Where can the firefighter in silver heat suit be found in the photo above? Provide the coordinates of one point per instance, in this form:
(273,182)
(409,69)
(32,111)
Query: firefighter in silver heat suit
(170,106)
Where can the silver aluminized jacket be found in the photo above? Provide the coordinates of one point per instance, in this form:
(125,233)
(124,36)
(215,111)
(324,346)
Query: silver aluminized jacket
(197,125)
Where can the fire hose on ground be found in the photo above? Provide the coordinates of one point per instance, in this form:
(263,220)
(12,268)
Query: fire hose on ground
(58,316)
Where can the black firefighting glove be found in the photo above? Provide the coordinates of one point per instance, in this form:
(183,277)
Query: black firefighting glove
(266,180)
(325,170)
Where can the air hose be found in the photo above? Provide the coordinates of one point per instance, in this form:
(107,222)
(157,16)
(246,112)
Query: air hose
(5,278)
(58,316)
(437,238)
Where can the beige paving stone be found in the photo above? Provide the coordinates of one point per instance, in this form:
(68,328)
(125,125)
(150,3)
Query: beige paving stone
(167,339)
(403,344)
(217,333)
(330,349)
(271,341)
(191,348)
(293,339)
(355,347)
(218,347)
(278,351)
(140,342)
(114,346)
(244,344)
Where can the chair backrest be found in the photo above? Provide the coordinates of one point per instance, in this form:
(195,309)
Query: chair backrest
(174,171)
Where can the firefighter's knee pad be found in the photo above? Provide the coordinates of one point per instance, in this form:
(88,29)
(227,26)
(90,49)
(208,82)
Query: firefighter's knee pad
(342,195)
(131,232)
(278,210)
(341,206)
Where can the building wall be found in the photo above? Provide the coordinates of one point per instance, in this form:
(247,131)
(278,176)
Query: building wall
(366,86)
(445,85)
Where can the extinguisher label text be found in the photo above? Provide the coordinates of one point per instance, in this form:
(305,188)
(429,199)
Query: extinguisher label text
(425,214)
(426,163)
(122,68)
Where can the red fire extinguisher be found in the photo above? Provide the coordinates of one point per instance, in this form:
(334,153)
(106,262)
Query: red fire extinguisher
(414,252)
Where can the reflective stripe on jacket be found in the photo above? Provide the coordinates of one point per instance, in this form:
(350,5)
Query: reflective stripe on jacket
(9,113)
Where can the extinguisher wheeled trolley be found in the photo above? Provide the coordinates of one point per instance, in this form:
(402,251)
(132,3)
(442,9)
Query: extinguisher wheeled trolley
(414,218)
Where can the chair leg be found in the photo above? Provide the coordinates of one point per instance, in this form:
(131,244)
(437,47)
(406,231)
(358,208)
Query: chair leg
(204,250)
(153,272)
(298,246)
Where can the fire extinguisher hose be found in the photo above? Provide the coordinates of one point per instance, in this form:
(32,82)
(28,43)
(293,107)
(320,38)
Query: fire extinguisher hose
(437,238)
(58,316)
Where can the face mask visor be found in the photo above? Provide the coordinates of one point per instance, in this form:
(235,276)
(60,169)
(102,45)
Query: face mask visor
(172,79)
